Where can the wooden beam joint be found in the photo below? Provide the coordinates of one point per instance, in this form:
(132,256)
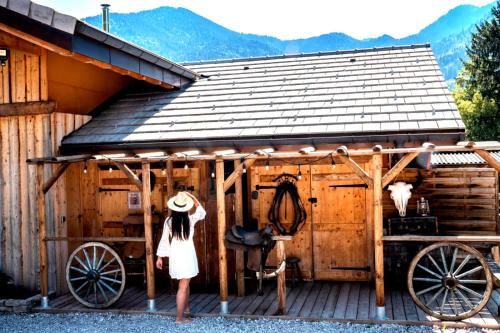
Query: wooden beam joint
(396,169)
(130,175)
(27,108)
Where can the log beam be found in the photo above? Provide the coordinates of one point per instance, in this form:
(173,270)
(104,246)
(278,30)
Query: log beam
(221,228)
(397,168)
(281,257)
(42,232)
(170,178)
(238,214)
(237,173)
(492,162)
(378,234)
(148,234)
(130,175)
(356,169)
(27,108)
(60,170)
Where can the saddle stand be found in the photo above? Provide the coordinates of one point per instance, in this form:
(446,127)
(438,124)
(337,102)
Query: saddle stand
(258,244)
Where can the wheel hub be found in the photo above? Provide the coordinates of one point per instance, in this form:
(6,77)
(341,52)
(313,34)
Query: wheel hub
(93,275)
(450,282)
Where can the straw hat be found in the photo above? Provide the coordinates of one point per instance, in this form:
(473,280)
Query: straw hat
(180,203)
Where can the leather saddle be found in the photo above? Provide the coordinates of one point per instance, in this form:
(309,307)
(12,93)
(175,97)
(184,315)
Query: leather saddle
(257,243)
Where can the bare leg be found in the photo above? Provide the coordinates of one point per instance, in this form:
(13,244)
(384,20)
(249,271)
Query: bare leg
(186,307)
(181,299)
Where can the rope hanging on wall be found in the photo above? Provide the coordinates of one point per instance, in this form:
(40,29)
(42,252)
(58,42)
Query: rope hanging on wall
(287,184)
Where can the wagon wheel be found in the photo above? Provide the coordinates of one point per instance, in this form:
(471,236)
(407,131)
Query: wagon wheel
(450,281)
(95,275)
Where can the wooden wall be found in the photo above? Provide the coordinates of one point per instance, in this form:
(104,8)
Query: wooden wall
(465,200)
(24,79)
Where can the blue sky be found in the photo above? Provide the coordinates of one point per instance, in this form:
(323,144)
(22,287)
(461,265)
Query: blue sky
(289,19)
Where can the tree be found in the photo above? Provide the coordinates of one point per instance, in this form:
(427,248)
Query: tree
(477,91)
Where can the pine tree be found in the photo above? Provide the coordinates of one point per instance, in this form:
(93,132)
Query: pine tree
(478,86)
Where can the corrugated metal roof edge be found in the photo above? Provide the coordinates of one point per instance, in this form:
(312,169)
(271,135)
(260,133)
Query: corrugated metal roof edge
(302,55)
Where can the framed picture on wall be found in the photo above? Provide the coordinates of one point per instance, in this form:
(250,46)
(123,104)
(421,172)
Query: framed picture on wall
(134,200)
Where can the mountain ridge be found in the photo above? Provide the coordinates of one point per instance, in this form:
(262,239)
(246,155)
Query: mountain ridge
(184,36)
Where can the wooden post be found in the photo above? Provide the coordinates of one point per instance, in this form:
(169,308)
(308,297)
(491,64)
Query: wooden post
(280,253)
(221,223)
(238,212)
(42,233)
(378,234)
(148,234)
(170,179)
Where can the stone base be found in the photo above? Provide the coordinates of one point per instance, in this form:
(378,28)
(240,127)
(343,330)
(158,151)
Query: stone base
(19,305)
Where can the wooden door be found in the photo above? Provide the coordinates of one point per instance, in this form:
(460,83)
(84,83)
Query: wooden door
(300,246)
(339,224)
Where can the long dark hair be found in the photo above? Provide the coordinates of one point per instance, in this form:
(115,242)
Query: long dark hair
(180,225)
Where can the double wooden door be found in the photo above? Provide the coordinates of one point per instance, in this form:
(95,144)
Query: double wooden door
(334,242)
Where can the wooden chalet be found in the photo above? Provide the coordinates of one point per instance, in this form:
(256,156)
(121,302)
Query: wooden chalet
(91,113)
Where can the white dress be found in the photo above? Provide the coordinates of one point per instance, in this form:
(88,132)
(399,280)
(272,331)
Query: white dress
(183,263)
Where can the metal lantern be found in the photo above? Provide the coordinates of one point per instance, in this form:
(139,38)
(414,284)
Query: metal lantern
(423,207)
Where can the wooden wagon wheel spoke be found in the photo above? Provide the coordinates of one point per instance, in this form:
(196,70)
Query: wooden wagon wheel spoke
(434,296)
(429,271)
(81,287)
(110,279)
(94,258)
(473,281)
(443,302)
(469,272)
(465,299)
(107,287)
(453,260)
(87,276)
(107,264)
(111,272)
(454,299)
(443,259)
(470,291)
(80,261)
(422,279)
(439,289)
(78,278)
(435,263)
(99,263)
(78,270)
(464,262)
(429,289)
(103,292)
(87,260)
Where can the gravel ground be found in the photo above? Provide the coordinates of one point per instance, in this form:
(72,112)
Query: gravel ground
(112,323)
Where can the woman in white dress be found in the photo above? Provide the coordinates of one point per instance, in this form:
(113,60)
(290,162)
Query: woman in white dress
(177,244)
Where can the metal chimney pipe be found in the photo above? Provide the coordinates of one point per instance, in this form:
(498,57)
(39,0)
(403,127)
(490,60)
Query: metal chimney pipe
(105,17)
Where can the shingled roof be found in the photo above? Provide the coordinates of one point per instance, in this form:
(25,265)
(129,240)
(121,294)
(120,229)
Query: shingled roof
(363,95)
(74,35)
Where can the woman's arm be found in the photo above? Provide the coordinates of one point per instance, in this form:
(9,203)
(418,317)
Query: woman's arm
(195,200)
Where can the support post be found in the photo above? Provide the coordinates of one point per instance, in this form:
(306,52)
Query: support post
(280,253)
(238,212)
(42,233)
(378,234)
(221,223)
(170,178)
(148,234)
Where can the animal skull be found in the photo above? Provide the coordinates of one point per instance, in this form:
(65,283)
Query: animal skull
(400,193)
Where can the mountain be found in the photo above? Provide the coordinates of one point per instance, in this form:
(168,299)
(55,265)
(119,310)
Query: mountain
(181,35)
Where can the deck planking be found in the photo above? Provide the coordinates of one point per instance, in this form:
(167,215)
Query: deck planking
(353,301)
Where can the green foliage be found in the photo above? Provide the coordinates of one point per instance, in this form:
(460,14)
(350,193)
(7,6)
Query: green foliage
(477,91)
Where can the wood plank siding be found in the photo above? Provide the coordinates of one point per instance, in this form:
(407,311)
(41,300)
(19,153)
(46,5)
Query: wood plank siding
(24,82)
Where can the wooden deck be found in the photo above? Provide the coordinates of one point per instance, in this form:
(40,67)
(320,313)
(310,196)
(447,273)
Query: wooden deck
(338,301)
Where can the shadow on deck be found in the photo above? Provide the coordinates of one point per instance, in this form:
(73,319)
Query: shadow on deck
(337,301)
